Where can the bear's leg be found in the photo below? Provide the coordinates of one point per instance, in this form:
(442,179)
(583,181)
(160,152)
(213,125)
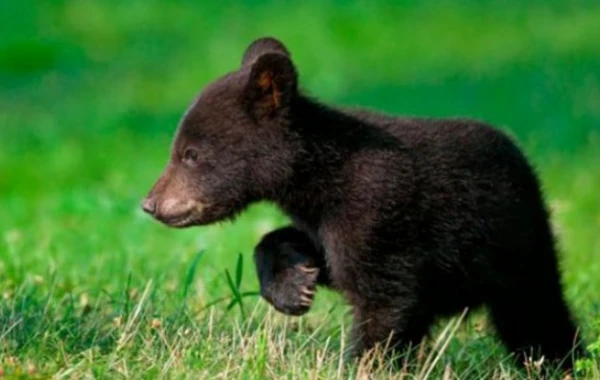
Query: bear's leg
(534,320)
(391,328)
(289,267)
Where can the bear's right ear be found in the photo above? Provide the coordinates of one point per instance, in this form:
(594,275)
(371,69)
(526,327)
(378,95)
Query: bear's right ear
(271,85)
(262,46)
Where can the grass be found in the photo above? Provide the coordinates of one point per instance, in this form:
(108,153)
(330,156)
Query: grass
(91,93)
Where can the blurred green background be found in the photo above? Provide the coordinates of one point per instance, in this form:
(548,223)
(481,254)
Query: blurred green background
(91,92)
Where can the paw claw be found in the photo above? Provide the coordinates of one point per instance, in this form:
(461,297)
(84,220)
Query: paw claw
(306,291)
(305,300)
(307,269)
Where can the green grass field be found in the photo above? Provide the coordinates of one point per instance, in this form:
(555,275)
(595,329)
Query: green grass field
(91,93)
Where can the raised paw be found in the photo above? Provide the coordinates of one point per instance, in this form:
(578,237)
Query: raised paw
(292,290)
(289,266)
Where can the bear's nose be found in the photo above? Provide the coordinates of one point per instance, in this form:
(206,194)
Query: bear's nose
(149,206)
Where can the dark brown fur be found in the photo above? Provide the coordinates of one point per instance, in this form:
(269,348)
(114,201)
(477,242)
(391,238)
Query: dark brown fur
(289,269)
(417,218)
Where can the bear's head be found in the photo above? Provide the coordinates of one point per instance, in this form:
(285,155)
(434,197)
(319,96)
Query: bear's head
(231,146)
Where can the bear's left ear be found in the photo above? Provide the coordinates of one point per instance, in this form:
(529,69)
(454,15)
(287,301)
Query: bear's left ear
(262,46)
(271,85)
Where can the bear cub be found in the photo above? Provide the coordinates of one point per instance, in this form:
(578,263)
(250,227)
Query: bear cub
(409,219)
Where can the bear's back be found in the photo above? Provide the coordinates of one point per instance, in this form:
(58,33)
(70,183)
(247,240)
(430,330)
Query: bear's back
(465,172)
(454,147)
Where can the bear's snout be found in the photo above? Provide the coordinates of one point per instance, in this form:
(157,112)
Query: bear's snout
(174,212)
(149,206)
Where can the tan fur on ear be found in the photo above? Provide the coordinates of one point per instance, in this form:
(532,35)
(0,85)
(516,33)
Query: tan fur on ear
(267,84)
(264,81)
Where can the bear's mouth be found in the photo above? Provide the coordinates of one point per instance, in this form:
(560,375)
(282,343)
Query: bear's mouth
(178,221)
(192,214)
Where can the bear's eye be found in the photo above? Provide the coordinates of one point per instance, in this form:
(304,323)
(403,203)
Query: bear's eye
(190,156)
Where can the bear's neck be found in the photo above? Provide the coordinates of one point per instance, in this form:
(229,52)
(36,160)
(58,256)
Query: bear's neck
(324,141)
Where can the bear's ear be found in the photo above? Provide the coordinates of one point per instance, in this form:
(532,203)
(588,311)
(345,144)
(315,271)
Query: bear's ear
(271,85)
(262,46)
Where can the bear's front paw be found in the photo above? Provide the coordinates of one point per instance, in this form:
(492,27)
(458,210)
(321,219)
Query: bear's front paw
(292,291)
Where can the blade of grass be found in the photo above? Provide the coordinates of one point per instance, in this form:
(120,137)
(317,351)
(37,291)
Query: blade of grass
(238,270)
(191,272)
(236,293)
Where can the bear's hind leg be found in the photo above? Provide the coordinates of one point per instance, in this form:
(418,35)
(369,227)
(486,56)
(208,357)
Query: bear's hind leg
(534,321)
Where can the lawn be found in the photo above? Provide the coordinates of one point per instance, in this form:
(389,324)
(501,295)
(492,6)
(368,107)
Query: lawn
(91,93)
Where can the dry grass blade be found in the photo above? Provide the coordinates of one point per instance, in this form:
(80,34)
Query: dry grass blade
(130,328)
(428,367)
